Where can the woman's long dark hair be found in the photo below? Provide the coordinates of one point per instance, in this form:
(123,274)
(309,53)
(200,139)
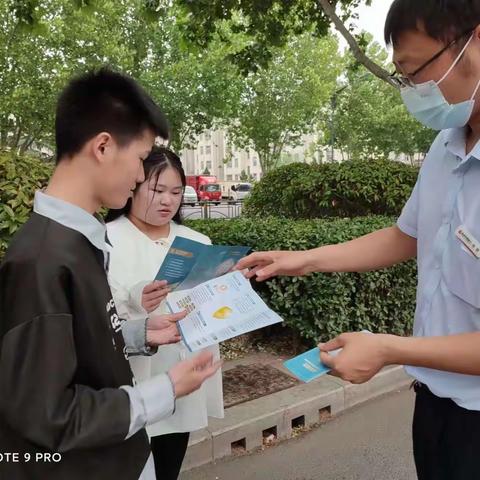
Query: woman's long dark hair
(157,161)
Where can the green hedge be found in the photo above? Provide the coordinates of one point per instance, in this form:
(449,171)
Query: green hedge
(20,177)
(318,307)
(348,189)
(321,306)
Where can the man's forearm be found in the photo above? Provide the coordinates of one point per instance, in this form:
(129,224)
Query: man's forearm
(377,250)
(454,353)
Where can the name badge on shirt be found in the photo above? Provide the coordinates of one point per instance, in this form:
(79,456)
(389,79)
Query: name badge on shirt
(470,242)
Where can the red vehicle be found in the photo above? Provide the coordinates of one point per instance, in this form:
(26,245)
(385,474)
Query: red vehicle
(207,188)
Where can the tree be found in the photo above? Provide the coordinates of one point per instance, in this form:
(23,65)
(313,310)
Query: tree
(370,119)
(286,99)
(270,23)
(196,89)
(246,177)
(43,44)
(37,57)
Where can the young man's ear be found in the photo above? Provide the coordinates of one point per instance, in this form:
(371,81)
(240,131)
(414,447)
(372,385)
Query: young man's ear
(101,146)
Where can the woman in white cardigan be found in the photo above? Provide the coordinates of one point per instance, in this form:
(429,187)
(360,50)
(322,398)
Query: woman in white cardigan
(141,235)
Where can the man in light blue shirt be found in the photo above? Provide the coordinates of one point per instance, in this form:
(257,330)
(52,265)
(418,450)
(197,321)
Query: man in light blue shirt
(437,58)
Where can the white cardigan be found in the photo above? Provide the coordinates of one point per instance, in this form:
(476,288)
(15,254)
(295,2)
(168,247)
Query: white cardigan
(134,262)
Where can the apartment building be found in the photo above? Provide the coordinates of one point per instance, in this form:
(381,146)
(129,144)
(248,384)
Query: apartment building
(221,158)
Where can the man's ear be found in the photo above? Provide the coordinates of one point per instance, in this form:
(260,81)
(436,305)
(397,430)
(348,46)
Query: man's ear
(101,147)
(476,32)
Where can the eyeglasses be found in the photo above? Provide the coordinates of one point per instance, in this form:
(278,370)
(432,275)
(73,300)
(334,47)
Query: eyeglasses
(405,80)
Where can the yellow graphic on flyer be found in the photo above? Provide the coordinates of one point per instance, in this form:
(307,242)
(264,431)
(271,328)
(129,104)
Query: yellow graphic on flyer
(222,313)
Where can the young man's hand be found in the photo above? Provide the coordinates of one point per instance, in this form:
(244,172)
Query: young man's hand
(154,294)
(363,356)
(189,375)
(163,330)
(265,265)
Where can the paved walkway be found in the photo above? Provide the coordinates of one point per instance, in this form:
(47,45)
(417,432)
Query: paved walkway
(371,442)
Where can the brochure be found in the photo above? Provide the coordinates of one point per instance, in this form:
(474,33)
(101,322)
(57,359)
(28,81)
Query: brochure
(220,309)
(308,367)
(189,263)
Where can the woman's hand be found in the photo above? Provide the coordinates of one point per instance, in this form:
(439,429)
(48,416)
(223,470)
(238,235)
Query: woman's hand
(154,294)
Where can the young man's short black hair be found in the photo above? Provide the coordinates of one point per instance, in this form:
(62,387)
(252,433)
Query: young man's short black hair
(104,101)
(443,20)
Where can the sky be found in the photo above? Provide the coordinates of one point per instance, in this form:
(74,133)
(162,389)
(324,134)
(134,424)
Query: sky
(372,19)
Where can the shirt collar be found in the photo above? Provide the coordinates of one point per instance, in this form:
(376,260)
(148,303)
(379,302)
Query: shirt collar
(90,226)
(166,242)
(455,141)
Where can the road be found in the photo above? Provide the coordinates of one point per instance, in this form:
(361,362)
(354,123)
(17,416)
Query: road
(370,442)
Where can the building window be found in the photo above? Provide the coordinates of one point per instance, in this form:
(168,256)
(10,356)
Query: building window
(229,178)
(236,164)
(237,177)
(255,161)
(208,149)
(209,164)
(208,135)
(201,150)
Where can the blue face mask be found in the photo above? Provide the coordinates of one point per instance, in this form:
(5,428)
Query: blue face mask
(428,105)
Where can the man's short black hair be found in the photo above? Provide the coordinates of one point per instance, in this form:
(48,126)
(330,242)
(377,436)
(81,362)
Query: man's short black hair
(443,20)
(104,101)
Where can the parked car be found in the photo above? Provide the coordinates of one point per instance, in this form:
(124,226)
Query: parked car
(241,191)
(190,196)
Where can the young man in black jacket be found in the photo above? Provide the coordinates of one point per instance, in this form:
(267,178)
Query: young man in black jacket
(69,407)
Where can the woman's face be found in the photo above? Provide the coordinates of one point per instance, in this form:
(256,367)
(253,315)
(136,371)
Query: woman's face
(157,201)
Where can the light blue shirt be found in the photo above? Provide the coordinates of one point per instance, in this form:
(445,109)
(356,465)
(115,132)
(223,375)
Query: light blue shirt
(153,399)
(446,196)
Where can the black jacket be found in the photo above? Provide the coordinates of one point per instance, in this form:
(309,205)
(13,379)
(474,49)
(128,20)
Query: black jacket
(62,361)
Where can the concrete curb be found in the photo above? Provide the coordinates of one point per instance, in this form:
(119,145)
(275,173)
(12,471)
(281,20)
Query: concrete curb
(245,425)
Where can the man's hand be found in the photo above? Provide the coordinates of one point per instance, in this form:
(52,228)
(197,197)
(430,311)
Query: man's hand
(154,294)
(363,356)
(163,330)
(189,375)
(270,264)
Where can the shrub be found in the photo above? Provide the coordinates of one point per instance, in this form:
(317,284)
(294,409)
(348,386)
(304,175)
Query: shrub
(321,306)
(348,189)
(20,177)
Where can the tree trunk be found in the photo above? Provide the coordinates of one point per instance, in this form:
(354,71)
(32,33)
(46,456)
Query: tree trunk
(26,145)
(264,162)
(16,138)
(3,134)
(358,53)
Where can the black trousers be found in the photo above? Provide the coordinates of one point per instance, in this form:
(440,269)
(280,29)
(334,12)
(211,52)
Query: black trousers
(168,453)
(446,438)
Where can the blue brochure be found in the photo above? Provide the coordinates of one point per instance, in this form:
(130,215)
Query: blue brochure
(189,263)
(307,367)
